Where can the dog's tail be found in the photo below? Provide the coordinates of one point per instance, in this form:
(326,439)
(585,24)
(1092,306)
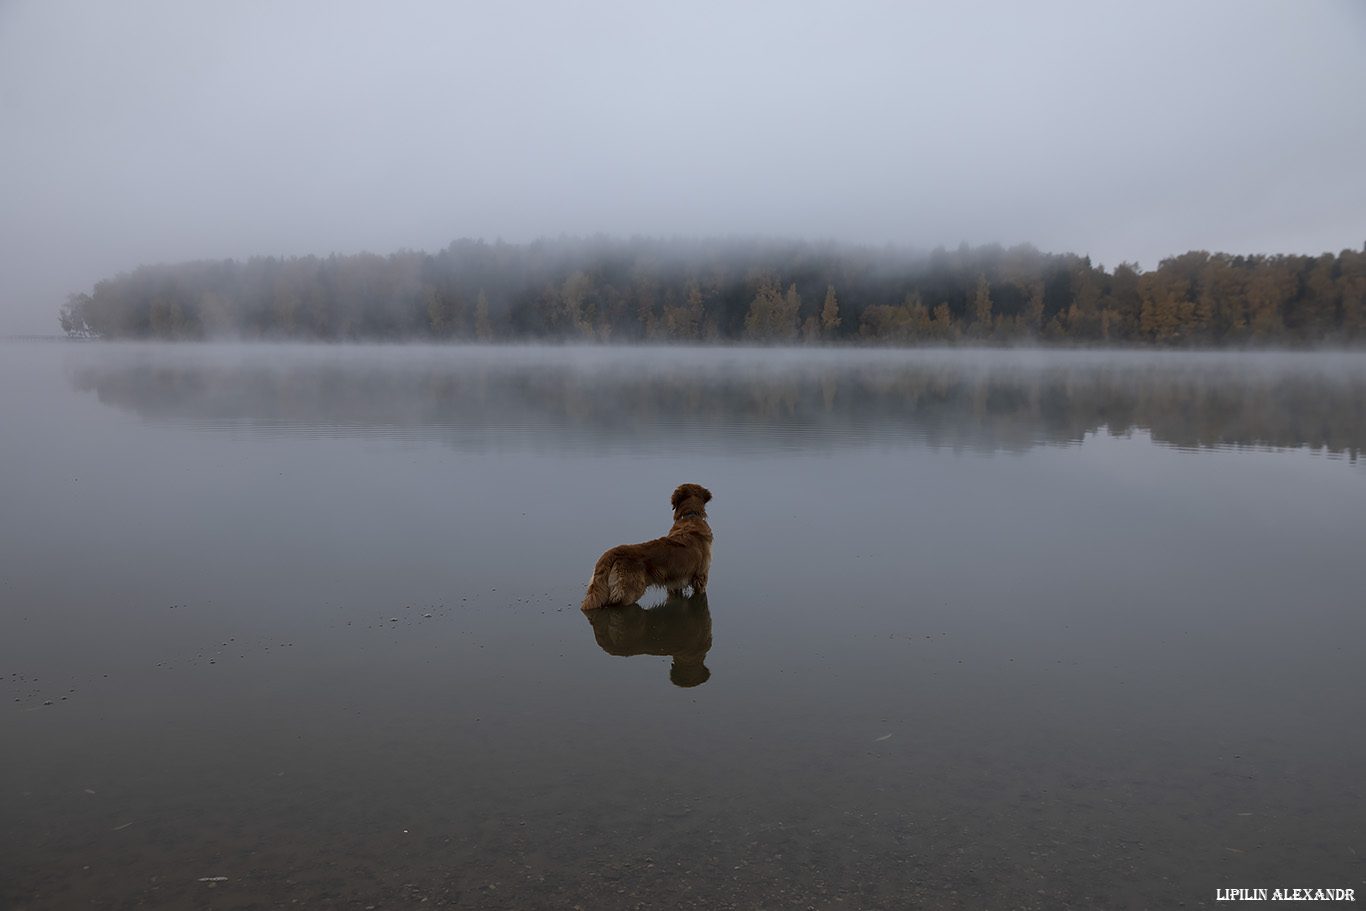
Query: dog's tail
(599,587)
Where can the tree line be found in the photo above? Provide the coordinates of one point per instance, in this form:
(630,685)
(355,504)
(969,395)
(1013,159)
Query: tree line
(757,291)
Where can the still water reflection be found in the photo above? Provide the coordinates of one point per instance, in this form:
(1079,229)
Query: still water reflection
(299,625)
(743,398)
(680,628)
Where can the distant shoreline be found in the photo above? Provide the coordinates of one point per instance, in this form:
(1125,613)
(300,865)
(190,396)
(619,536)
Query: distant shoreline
(758,292)
(964,347)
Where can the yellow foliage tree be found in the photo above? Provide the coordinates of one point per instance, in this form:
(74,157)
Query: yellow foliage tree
(760,322)
(830,314)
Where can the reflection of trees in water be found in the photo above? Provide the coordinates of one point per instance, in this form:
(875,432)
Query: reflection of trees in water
(940,401)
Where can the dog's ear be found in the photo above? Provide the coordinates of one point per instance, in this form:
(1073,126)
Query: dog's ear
(679,494)
(704,493)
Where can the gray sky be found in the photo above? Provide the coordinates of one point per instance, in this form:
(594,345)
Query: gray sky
(141,131)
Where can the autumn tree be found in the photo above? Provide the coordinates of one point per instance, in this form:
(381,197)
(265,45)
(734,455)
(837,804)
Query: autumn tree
(1350,289)
(884,323)
(787,316)
(575,295)
(765,312)
(1083,313)
(685,322)
(830,314)
(1317,313)
(1166,310)
(1222,298)
(943,327)
(645,306)
(443,312)
(1119,308)
(1032,318)
(981,309)
(483,329)
(1270,286)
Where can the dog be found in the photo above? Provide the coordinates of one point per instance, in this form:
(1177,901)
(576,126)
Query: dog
(680,558)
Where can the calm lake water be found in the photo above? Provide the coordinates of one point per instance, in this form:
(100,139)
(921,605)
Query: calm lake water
(298,627)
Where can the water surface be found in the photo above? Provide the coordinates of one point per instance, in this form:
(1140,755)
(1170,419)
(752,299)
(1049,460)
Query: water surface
(984,629)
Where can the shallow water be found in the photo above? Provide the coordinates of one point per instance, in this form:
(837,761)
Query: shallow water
(987,629)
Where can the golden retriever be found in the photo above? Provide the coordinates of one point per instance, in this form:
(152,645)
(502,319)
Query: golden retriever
(680,558)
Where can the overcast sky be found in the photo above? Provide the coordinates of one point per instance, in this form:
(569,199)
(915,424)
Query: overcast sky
(138,132)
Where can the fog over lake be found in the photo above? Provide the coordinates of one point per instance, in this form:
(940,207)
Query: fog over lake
(984,628)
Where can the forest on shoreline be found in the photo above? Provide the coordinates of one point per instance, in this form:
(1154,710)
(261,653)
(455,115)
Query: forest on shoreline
(754,291)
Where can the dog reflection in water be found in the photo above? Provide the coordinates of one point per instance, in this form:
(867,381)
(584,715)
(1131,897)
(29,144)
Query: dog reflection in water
(680,628)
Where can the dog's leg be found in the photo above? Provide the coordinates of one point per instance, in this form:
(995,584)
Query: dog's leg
(699,584)
(627,582)
(629,589)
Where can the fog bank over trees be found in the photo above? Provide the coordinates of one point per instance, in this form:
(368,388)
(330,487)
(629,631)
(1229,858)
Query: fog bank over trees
(759,291)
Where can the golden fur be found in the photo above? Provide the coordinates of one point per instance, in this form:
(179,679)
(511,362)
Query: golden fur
(680,558)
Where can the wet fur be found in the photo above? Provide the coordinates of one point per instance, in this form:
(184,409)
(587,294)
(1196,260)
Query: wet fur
(680,559)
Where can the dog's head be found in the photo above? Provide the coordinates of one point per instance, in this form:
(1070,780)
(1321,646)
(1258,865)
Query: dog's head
(690,498)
